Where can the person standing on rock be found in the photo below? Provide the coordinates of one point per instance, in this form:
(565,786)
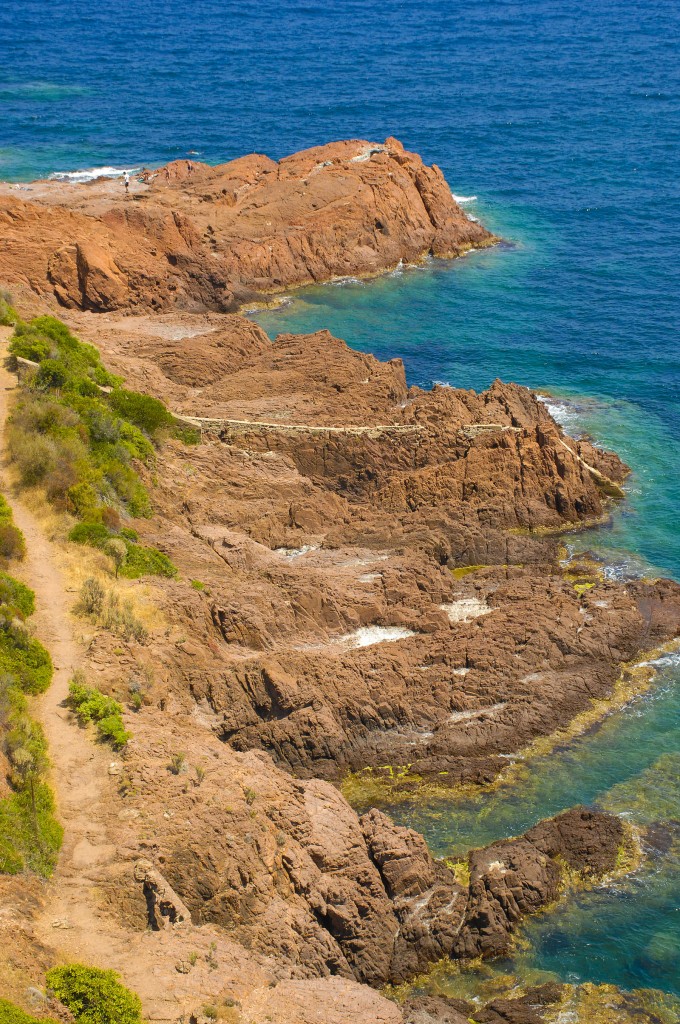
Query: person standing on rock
(126,182)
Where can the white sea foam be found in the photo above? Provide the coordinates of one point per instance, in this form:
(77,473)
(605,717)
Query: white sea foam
(366,636)
(567,414)
(342,282)
(77,177)
(669,660)
(463,199)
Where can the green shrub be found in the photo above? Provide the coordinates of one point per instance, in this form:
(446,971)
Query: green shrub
(116,549)
(16,595)
(91,705)
(25,658)
(29,832)
(30,835)
(147,413)
(143,561)
(94,996)
(94,534)
(83,499)
(11,1014)
(31,345)
(8,314)
(52,374)
(5,511)
(12,542)
(81,442)
(197,585)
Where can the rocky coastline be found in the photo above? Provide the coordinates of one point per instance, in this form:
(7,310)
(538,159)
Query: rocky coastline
(370,575)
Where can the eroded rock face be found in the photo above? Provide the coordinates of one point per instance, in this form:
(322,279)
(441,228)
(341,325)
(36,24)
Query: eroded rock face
(288,870)
(215,236)
(515,877)
(330,506)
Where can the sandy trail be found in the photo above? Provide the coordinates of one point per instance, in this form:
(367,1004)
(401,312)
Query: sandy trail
(79,774)
(73,923)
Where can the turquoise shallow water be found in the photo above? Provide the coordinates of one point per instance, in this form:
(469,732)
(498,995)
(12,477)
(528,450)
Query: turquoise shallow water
(563,119)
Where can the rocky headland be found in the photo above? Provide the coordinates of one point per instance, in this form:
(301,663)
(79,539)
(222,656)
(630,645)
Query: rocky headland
(369,575)
(191,236)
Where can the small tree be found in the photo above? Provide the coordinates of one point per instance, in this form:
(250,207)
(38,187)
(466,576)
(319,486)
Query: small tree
(116,549)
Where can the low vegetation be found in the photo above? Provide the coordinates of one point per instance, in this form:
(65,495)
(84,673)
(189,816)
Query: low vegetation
(12,543)
(8,314)
(11,1014)
(83,437)
(94,996)
(107,610)
(136,561)
(91,705)
(30,835)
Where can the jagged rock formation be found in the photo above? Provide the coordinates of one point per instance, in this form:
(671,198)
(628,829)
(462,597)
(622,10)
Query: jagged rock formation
(216,236)
(513,878)
(487,661)
(378,584)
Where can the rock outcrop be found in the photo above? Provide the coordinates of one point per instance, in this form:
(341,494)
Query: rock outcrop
(516,877)
(377,581)
(319,535)
(213,237)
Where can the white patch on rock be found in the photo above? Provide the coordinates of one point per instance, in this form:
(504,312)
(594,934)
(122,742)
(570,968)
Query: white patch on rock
(366,636)
(465,609)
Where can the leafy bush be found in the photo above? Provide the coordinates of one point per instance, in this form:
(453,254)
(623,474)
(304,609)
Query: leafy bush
(8,314)
(30,835)
(81,435)
(94,534)
(143,561)
(17,596)
(25,658)
(145,412)
(94,996)
(91,705)
(138,561)
(5,511)
(11,1014)
(117,551)
(12,542)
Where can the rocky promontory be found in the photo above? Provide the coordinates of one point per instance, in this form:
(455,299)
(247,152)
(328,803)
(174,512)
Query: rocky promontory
(362,576)
(191,236)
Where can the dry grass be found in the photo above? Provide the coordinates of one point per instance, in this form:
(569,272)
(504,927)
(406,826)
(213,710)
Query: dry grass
(79,562)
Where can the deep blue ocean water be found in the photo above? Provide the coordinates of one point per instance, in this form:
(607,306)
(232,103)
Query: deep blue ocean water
(562,119)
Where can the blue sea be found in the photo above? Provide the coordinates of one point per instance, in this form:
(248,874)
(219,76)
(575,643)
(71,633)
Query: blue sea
(557,123)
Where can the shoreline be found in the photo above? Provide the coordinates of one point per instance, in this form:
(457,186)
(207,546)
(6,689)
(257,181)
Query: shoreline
(262,689)
(635,679)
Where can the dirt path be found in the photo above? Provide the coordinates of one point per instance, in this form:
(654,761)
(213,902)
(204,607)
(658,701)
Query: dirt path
(73,924)
(79,775)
